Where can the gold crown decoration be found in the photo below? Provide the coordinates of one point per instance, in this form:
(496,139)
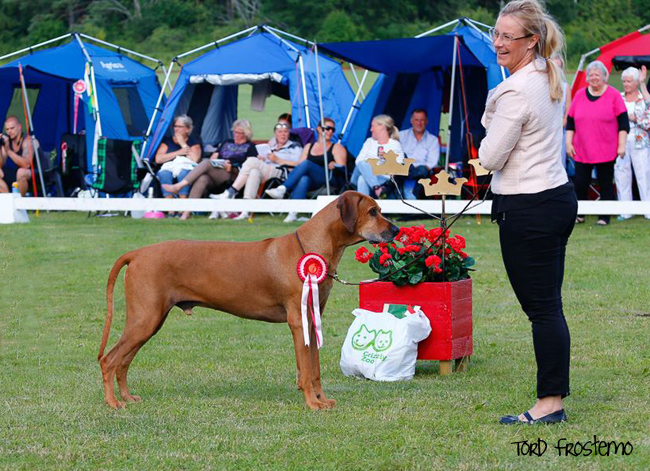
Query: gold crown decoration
(443,186)
(390,165)
(478,168)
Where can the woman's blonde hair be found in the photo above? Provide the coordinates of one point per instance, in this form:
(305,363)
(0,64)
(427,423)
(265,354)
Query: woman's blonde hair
(534,18)
(389,124)
(245,126)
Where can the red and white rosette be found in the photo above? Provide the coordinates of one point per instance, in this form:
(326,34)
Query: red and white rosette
(312,269)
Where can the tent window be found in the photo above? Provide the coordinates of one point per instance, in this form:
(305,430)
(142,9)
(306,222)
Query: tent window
(132,109)
(17,109)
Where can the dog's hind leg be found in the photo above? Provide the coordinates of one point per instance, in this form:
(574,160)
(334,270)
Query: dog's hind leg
(142,335)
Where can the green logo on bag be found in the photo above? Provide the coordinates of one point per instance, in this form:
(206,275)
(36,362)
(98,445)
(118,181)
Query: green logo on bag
(365,338)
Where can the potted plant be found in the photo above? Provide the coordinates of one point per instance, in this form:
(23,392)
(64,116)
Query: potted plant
(430,269)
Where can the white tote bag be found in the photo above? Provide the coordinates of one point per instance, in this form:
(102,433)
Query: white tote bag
(383,347)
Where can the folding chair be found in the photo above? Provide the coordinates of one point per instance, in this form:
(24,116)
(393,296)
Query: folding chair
(117,162)
(73,162)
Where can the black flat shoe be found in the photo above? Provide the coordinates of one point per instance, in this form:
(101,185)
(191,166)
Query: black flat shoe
(553,418)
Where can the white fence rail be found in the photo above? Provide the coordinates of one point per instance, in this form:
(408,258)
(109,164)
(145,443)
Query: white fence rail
(11,204)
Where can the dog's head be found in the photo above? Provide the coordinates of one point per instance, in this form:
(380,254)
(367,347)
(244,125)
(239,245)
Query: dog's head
(362,217)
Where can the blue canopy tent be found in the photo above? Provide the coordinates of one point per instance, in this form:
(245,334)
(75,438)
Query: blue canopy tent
(124,91)
(421,73)
(206,88)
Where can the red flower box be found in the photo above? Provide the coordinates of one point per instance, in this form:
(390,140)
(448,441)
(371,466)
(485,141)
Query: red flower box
(448,305)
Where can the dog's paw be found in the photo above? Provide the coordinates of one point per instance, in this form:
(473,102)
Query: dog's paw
(115,404)
(132,398)
(321,404)
(330,402)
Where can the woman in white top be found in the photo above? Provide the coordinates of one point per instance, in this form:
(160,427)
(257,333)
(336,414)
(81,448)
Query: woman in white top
(384,138)
(637,147)
(534,203)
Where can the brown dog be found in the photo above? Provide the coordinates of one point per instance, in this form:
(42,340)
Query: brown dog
(222,275)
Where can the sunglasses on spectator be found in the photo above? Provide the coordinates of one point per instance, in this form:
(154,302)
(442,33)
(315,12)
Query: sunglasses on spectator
(281,126)
(329,128)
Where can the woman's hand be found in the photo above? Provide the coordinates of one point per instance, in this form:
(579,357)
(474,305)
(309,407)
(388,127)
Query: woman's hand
(331,165)
(643,74)
(273,158)
(571,152)
(227,166)
(620,152)
(180,139)
(214,156)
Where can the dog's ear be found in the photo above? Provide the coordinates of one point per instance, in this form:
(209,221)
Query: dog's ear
(348,205)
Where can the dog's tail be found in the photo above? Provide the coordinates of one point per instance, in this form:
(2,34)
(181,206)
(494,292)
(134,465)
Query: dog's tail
(110,288)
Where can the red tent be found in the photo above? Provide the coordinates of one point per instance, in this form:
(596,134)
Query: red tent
(633,44)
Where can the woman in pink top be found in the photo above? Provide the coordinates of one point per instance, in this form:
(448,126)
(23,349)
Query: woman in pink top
(597,129)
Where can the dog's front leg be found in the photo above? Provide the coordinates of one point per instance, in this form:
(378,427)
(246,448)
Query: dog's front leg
(315,365)
(304,363)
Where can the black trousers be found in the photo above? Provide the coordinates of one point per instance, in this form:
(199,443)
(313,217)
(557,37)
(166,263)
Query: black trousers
(533,246)
(605,177)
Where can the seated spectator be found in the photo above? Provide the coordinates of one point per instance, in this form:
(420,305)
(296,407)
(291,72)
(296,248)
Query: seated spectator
(384,138)
(16,152)
(255,170)
(222,166)
(309,174)
(421,145)
(302,136)
(178,155)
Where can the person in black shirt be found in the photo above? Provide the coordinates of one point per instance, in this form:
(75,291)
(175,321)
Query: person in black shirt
(223,165)
(16,152)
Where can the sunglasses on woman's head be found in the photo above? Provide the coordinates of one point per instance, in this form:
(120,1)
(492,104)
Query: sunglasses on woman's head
(281,126)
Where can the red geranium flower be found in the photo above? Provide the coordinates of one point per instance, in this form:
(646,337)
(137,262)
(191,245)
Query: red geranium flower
(363,255)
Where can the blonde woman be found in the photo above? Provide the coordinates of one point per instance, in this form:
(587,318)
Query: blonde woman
(384,138)
(178,155)
(534,203)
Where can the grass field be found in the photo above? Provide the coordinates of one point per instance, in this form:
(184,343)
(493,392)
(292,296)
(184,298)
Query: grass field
(219,392)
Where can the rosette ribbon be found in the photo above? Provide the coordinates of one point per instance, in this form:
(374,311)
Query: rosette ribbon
(312,269)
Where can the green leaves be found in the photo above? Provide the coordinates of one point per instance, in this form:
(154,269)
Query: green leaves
(418,255)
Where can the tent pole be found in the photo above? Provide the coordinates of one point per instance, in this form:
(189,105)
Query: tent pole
(120,48)
(92,78)
(155,110)
(451,102)
(214,43)
(451,116)
(431,31)
(356,79)
(322,123)
(28,49)
(272,29)
(98,124)
(282,40)
(31,130)
(304,88)
(354,103)
(478,23)
(169,84)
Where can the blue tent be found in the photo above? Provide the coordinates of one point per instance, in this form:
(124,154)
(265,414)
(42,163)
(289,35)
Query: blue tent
(416,73)
(126,93)
(206,88)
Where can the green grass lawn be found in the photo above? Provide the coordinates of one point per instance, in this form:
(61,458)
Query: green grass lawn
(219,392)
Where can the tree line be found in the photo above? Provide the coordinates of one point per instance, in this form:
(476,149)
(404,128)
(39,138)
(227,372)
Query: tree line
(163,28)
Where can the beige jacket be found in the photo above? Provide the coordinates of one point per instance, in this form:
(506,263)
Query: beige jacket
(523,144)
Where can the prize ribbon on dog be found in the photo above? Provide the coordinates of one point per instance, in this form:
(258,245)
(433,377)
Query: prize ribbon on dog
(312,269)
